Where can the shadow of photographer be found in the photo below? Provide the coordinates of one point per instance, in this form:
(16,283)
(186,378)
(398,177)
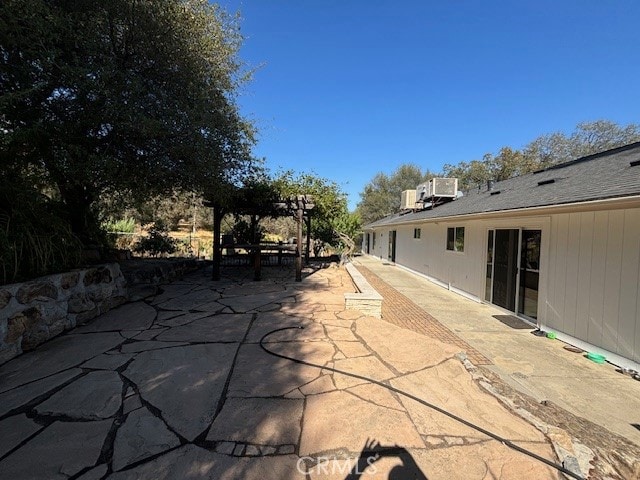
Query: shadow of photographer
(373,452)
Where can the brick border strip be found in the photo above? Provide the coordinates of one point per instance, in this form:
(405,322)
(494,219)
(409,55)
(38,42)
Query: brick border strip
(399,310)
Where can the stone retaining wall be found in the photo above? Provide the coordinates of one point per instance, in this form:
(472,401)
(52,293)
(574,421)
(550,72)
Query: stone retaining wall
(367,300)
(33,312)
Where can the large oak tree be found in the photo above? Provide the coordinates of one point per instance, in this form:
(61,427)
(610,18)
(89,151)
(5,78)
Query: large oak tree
(124,98)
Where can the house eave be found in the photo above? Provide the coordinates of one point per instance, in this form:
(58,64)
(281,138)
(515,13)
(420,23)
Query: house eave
(632,201)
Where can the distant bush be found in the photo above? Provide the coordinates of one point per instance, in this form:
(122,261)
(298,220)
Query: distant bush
(124,225)
(120,232)
(157,242)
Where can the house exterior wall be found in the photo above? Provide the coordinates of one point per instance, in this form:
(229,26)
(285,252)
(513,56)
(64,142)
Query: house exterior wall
(589,269)
(594,281)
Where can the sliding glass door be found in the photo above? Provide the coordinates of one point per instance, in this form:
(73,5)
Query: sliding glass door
(512,277)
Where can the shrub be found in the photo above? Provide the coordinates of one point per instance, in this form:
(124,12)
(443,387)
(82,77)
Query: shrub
(157,242)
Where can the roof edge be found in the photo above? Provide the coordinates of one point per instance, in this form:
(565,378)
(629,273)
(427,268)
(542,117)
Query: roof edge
(586,158)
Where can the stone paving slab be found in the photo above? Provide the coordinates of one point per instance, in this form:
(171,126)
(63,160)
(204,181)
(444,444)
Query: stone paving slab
(258,374)
(97,395)
(262,421)
(270,321)
(62,450)
(178,318)
(249,303)
(131,316)
(25,394)
(369,366)
(14,430)
(190,301)
(144,346)
(107,361)
(55,356)
(449,386)
(96,473)
(184,383)
(141,436)
(405,354)
(338,420)
(195,463)
(221,328)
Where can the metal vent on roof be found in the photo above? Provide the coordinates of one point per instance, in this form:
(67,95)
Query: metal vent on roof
(635,163)
(546,182)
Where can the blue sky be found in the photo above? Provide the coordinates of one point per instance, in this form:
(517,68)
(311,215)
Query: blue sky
(346,89)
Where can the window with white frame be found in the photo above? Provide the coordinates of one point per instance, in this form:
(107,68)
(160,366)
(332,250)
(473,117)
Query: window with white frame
(455,239)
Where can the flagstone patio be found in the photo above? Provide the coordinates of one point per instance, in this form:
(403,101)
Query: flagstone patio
(177,386)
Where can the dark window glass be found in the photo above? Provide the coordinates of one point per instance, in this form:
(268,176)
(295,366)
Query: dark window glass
(451,238)
(460,239)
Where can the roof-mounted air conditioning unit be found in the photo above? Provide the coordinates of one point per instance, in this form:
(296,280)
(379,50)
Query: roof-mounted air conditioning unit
(408,199)
(422,192)
(442,187)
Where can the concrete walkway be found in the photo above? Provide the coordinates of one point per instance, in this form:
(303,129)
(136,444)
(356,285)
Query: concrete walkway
(546,370)
(177,387)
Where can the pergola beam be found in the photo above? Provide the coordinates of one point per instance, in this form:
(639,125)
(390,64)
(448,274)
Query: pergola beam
(298,206)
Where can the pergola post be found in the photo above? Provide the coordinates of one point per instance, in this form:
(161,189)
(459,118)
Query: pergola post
(257,264)
(306,256)
(299,213)
(217,251)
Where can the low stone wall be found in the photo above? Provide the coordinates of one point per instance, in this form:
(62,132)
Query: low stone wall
(33,312)
(367,300)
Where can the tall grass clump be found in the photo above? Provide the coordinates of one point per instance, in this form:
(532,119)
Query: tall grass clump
(35,237)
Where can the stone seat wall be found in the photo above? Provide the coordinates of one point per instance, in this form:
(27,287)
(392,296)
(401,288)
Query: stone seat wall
(367,300)
(35,311)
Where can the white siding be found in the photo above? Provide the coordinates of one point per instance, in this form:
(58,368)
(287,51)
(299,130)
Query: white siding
(589,270)
(429,255)
(594,278)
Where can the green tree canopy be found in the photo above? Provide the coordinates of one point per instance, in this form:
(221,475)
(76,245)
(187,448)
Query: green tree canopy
(330,213)
(381,196)
(126,97)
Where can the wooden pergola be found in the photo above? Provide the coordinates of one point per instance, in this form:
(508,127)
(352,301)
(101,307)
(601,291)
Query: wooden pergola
(299,207)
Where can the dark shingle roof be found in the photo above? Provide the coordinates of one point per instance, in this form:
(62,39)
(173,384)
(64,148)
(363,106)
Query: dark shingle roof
(600,176)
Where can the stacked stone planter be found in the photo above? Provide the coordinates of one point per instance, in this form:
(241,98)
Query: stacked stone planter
(33,312)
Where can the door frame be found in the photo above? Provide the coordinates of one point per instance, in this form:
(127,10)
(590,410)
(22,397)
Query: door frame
(517,268)
(391,255)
